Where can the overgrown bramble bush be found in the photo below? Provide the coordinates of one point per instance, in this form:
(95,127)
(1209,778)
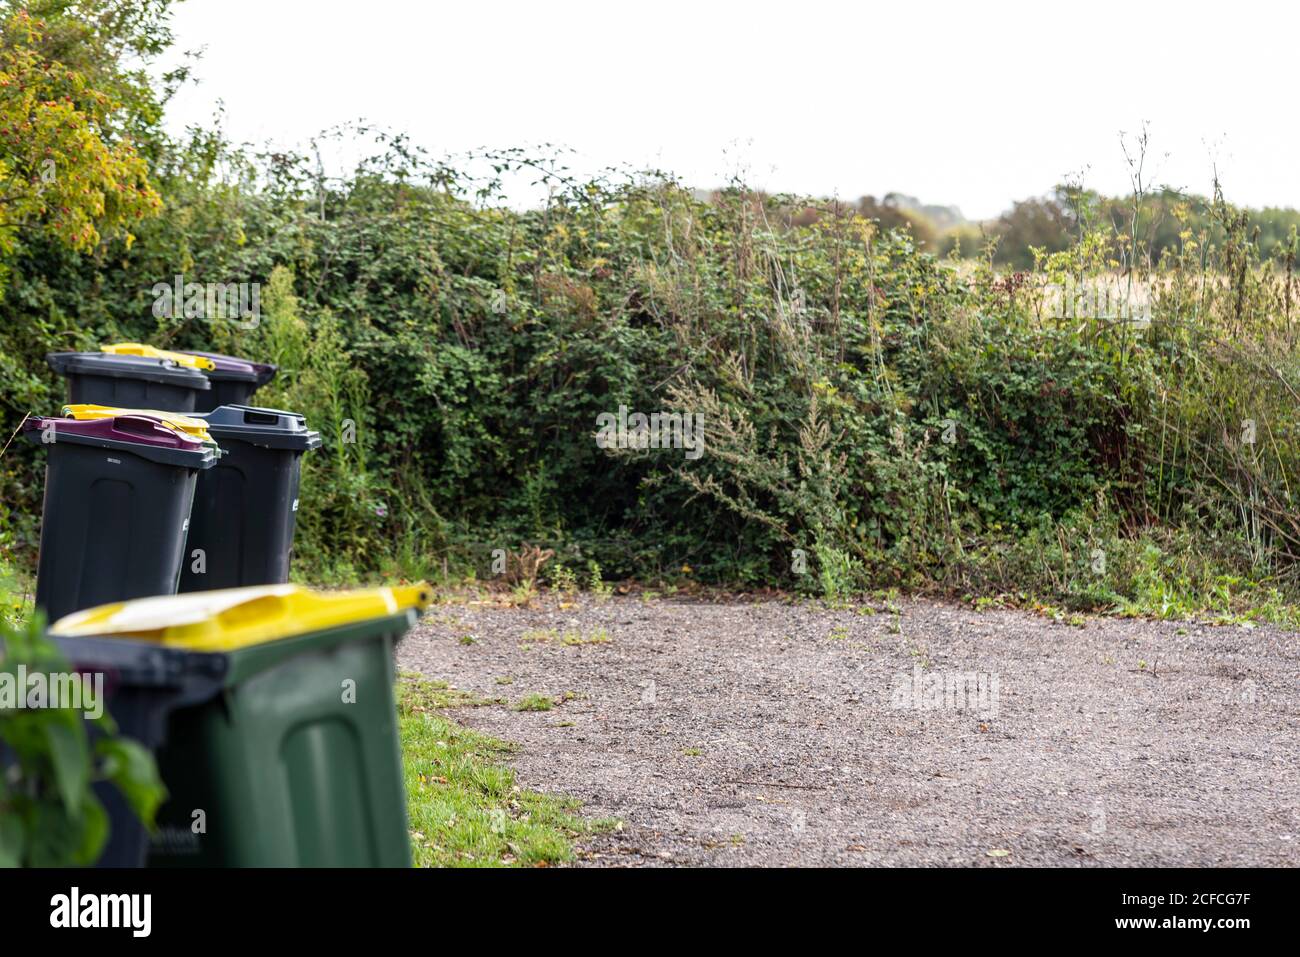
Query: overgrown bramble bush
(897,418)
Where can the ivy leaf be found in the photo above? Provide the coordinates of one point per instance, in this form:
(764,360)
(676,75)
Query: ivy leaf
(70,757)
(12,839)
(93,832)
(131,767)
(52,835)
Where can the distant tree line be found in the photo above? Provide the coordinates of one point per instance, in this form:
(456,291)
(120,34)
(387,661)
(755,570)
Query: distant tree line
(1166,219)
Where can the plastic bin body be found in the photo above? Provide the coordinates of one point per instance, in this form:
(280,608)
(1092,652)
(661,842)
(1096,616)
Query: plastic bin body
(245,508)
(143,684)
(226,392)
(287,774)
(116,511)
(129,381)
(233,380)
(288,746)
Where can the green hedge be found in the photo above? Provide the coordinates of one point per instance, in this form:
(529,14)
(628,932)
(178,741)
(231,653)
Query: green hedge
(897,418)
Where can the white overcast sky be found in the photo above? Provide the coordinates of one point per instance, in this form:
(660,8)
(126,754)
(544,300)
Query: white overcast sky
(973,104)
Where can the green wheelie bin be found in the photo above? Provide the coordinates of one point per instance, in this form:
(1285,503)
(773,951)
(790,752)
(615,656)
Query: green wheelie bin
(272,716)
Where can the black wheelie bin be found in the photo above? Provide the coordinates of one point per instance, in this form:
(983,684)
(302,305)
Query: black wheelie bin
(245,509)
(118,490)
(234,380)
(131,380)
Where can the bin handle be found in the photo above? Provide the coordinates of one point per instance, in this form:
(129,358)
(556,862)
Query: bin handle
(138,424)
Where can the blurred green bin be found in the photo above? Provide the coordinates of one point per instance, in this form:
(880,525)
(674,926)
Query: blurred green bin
(293,760)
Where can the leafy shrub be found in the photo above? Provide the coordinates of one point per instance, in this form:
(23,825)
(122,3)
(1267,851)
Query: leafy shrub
(49,815)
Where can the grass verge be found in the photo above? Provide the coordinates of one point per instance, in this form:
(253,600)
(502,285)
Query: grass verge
(464,807)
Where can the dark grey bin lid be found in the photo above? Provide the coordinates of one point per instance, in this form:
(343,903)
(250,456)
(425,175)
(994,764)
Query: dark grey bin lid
(269,428)
(127,367)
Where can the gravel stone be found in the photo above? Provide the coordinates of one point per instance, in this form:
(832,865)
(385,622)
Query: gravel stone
(737,733)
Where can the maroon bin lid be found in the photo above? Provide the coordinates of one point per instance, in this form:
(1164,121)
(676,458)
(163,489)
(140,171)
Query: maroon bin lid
(145,435)
(233,367)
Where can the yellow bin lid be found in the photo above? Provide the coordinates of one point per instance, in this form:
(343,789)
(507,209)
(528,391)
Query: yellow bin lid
(186,425)
(140,349)
(234,618)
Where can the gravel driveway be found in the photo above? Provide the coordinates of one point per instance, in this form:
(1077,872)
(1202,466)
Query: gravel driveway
(768,733)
